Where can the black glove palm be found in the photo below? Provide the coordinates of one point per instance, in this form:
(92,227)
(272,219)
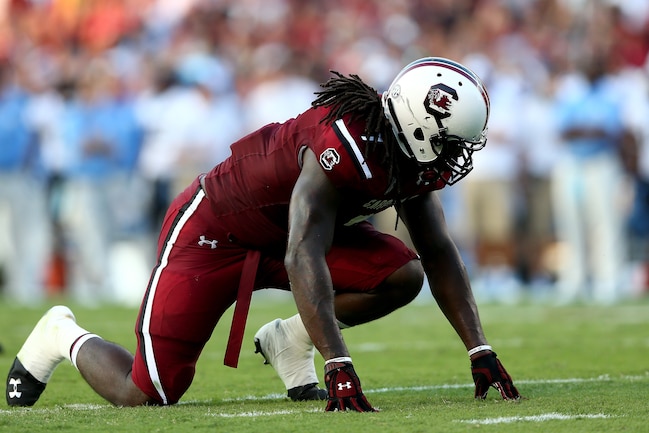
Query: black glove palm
(344,389)
(488,371)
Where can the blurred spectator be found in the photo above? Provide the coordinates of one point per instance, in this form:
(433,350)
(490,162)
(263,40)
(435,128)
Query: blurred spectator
(216,113)
(25,252)
(587,185)
(489,194)
(156,161)
(90,139)
(189,118)
(237,63)
(535,233)
(635,153)
(278,89)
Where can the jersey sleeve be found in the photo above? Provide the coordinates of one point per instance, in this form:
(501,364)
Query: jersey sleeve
(339,149)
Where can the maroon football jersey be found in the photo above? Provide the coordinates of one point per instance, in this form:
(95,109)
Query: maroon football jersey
(250,191)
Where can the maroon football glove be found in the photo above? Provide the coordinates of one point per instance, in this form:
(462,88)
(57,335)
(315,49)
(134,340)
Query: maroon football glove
(344,389)
(488,371)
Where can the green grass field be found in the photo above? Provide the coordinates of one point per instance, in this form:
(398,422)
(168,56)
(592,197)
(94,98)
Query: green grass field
(580,369)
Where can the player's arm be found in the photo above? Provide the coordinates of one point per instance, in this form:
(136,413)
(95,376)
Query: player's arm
(443,265)
(449,283)
(312,216)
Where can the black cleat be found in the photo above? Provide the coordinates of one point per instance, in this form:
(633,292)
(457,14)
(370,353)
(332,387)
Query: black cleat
(258,350)
(307,392)
(23,389)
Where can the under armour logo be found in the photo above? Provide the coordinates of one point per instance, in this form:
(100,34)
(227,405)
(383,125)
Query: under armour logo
(15,393)
(347,385)
(204,241)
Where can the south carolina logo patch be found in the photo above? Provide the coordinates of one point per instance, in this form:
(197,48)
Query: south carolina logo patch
(329,158)
(439,100)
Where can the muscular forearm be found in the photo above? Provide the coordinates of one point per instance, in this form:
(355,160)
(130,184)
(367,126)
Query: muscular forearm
(447,276)
(313,293)
(312,217)
(449,285)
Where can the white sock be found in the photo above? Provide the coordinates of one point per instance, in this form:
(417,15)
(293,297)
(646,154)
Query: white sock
(69,334)
(50,343)
(74,349)
(294,362)
(295,324)
(297,369)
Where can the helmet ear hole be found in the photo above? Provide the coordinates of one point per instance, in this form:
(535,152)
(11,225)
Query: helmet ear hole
(419,134)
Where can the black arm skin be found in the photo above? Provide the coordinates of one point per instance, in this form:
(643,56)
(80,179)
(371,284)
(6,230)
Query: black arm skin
(312,217)
(444,268)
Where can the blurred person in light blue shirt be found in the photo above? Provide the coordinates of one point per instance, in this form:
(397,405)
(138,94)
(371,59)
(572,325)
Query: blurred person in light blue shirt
(25,240)
(99,139)
(587,185)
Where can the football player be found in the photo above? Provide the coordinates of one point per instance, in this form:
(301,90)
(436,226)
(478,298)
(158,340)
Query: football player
(289,209)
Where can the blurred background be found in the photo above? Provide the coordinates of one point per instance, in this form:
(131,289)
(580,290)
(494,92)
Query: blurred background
(108,108)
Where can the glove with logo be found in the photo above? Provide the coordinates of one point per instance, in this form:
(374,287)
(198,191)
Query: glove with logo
(488,371)
(344,389)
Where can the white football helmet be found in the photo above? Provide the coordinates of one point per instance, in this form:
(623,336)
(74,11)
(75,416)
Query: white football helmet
(438,110)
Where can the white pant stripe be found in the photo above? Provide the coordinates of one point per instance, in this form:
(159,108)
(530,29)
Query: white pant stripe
(146,320)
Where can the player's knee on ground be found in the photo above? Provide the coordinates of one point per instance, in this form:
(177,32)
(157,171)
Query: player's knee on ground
(181,384)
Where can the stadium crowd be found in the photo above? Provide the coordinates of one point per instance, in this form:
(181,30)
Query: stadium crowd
(108,107)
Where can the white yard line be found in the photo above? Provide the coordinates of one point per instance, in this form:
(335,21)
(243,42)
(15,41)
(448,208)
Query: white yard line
(255,414)
(275,396)
(602,378)
(533,418)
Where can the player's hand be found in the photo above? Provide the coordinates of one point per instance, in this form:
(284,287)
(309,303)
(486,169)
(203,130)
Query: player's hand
(488,371)
(344,389)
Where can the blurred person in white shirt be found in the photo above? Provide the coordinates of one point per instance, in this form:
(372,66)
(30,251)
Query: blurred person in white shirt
(490,218)
(276,92)
(189,119)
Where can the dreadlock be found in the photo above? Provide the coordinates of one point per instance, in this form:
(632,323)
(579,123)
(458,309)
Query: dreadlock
(350,95)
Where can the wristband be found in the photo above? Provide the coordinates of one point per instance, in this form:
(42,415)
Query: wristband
(339,359)
(480,348)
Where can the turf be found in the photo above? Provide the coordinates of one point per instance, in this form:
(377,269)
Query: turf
(580,369)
